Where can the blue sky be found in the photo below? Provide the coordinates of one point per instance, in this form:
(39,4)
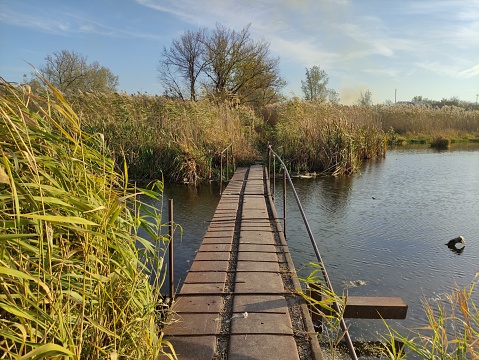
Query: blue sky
(428,48)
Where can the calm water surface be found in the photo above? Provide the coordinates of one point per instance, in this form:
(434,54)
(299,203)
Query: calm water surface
(386,226)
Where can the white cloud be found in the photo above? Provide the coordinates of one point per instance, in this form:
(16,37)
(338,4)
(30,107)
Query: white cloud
(388,72)
(471,72)
(304,52)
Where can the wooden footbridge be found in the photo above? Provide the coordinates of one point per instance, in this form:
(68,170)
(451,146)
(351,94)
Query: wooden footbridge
(238,300)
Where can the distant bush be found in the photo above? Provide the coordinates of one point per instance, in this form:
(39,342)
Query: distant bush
(440,142)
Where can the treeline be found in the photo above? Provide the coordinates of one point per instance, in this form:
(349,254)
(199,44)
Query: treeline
(452,101)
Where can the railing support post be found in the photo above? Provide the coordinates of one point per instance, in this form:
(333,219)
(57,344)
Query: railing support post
(221,173)
(171,252)
(233,158)
(274,176)
(284,202)
(227,165)
(269,162)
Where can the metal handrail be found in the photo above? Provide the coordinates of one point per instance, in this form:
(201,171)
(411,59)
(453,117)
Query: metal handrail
(344,328)
(227,164)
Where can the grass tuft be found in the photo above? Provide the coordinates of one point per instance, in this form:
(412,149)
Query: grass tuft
(452,331)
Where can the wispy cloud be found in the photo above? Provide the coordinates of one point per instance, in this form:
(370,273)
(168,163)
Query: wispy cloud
(37,22)
(70,24)
(471,72)
(389,72)
(449,70)
(304,51)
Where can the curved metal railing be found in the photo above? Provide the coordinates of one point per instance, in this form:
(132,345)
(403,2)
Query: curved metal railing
(344,328)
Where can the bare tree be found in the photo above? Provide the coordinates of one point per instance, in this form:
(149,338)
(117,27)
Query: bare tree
(182,64)
(69,70)
(228,65)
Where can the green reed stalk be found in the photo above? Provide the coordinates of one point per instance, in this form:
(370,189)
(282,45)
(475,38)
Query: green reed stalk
(452,331)
(74,283)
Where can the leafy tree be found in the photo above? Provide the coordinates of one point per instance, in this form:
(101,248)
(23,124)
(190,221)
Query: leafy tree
(421,99)
(333,96)
(366,98)
(227,64)
(315,86)
(69,71)
(452,101)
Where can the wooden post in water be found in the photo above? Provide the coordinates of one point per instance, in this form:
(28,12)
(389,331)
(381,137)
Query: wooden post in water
(171,252)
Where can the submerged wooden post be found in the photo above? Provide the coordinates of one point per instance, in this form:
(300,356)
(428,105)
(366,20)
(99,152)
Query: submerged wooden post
(171,253)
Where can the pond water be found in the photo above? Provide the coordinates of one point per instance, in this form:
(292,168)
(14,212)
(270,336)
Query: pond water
(385,227)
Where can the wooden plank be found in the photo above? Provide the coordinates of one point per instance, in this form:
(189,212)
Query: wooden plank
(372,307)
(366,307)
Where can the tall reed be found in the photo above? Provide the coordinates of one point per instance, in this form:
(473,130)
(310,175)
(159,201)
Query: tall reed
(156,135)
(429,122)
(327,138)
(74,283)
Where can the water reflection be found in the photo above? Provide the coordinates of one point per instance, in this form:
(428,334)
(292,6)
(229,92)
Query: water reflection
(193,210)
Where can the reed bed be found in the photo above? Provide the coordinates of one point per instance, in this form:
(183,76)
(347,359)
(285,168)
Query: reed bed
(425,123)
(155,135)
(182,141)
(327,138)
(74,283)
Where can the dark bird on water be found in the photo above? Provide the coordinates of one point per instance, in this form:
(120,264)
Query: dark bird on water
(455,241)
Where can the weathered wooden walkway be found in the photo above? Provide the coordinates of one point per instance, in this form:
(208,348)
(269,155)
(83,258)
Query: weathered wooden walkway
(238,301)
